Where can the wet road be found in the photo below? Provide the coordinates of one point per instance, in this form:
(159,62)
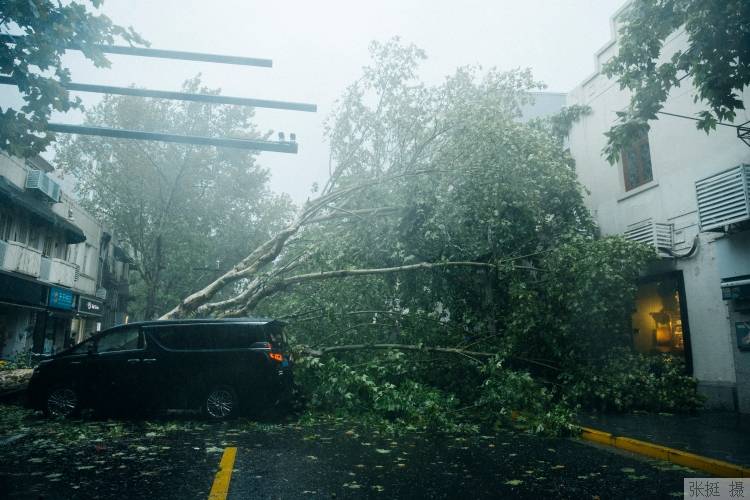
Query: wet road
(333,459)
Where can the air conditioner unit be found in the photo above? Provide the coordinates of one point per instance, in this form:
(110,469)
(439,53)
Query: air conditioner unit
(724,198)
(655,234)
(39,181)
(101,293)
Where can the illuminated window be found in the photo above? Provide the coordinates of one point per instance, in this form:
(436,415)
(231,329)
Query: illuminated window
(658,317)
(636,163)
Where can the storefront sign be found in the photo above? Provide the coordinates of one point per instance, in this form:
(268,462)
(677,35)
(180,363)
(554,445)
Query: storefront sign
(20,291)
(60,298)
(89,306)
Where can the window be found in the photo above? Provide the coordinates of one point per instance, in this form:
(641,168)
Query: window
(84,347)
(18,232)
(636,163)
(34,236)
(23,232)
(60,249)
(85,259)
(73,253)
(208,337)
(47,247)
(89,259)
(126,339)
(659,319)
(6,224)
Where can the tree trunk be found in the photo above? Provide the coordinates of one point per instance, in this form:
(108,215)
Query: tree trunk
(153,284)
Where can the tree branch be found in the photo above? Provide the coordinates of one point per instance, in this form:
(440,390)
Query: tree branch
(324,351)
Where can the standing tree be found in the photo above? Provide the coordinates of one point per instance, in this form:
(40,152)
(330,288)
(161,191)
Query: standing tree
(39,33)
(717,60)
(185,211)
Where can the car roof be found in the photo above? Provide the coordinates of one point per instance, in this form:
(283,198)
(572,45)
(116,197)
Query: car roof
(203,321)
(200,321)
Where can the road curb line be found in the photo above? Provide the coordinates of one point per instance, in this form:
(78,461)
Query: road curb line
(717,468)
(220,487)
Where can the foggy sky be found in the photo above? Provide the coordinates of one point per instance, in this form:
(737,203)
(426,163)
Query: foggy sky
(318,48)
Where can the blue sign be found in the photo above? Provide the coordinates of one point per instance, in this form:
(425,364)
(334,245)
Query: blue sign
(60,298)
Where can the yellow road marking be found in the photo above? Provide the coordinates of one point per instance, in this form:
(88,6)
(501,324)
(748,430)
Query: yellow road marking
(220,488)
(716,467)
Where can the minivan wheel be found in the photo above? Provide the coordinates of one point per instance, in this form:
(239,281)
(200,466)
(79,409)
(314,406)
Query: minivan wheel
(62,402)
(221,403)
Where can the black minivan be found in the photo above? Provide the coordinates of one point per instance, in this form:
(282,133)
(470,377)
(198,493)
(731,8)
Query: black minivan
(222,367)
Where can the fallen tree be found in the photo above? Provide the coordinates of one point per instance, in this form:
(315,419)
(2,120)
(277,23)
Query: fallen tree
(450,262)
(12,381)
(319,353)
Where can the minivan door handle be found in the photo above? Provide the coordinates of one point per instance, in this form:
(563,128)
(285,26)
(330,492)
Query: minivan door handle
(149,360)
(134,360)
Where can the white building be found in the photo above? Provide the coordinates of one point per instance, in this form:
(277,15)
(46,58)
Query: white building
(696,300)
(61,276)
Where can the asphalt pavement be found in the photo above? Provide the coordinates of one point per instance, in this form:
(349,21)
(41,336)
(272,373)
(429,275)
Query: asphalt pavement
(179,458)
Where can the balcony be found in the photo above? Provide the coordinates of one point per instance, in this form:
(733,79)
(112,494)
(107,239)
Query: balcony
(85,284)
(57,271)
(19,258)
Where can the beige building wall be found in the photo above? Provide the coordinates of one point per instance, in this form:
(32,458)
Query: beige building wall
(680,155)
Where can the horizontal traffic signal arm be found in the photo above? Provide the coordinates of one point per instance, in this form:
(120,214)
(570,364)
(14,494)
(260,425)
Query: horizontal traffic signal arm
(181,96)
(278,147)
(163,54)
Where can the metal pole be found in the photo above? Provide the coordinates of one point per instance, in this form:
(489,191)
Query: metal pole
(279,147)
(164,54)
(182,96)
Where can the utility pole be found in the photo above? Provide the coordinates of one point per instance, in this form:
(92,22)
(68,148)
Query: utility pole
(280,146)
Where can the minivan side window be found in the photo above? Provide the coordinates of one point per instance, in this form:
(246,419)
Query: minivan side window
(208,337)
(84,347)
(126,339)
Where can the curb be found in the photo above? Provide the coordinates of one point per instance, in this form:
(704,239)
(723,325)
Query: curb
(717,468)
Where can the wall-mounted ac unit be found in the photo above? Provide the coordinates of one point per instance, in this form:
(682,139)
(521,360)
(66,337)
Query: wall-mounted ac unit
(655,234)
(724,198)
(39,181)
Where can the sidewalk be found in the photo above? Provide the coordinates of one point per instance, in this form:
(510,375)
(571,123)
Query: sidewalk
(719,435)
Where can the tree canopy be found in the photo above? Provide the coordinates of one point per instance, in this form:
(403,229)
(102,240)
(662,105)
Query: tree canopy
(449,233)
(717,62)
(41,32)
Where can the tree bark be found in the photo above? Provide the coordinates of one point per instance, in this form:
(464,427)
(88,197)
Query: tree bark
(266,253)
(261,289)
(153,285)
(14,380)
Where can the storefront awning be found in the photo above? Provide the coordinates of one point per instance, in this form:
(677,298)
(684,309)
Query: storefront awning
(15,196)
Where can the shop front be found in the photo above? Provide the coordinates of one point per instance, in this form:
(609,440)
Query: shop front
(660,323)
(21,302)
(53,332)
(88,318)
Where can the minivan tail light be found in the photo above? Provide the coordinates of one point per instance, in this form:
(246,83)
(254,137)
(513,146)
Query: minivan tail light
(276,356)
